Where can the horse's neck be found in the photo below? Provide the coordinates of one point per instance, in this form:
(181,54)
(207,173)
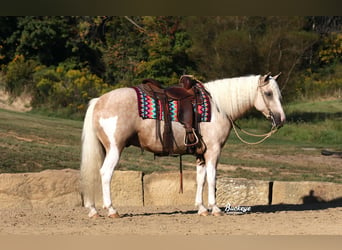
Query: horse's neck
(235,96)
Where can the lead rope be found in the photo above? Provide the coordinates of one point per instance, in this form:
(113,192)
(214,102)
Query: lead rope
(180,175)
(267,135)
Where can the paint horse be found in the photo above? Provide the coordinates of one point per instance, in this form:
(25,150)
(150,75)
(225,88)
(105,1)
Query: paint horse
(112,122)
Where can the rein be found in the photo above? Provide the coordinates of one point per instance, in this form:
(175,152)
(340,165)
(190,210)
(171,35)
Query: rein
(273,130)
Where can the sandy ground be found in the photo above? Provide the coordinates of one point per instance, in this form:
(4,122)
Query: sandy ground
(21,103)
(262,220)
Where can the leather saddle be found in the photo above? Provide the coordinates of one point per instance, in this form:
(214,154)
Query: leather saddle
(185,94)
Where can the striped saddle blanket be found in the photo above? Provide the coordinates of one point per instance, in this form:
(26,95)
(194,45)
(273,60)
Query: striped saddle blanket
(151,108)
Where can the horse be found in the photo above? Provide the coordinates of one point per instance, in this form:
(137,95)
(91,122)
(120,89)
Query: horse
(112,122)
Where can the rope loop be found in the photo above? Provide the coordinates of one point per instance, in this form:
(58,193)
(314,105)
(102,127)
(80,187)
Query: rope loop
(273,130)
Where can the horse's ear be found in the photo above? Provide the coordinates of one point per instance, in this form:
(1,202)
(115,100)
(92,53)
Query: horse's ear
(267,77)
(276,77)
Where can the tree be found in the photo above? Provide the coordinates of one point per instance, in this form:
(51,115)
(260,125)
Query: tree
(122,49)
(166,44)
(222,46)
(284,46)
(43,38)
(235,46)
(135,48)
(52,40)
(7,50)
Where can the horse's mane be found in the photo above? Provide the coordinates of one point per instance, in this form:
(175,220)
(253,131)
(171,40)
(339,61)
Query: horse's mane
(233,96)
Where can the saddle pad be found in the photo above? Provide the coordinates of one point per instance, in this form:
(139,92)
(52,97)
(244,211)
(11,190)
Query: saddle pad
(151,108)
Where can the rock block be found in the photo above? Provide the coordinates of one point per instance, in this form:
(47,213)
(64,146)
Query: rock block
(47,188)
(126,189)
(306,192)
(162,189)
(239,191)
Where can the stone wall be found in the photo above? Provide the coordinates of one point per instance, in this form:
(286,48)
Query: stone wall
(238,191)
(306,192)
(132,188)
(47,188)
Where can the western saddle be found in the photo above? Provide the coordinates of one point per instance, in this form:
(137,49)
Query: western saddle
(186,94)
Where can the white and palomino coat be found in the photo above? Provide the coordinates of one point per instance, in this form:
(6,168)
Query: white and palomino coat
(112,122)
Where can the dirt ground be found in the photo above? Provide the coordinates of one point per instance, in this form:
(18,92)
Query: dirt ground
(262,220)
(21,103)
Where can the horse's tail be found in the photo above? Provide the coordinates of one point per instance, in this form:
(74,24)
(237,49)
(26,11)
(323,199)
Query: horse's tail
(91,159)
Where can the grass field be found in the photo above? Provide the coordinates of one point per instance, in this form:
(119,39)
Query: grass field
(31,142)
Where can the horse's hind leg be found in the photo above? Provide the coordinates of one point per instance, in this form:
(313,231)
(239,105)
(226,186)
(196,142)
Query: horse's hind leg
(109,127)
(106,172)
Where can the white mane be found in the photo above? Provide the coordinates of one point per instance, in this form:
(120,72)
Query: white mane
(234,96)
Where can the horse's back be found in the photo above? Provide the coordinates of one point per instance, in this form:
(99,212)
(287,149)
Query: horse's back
(116,99)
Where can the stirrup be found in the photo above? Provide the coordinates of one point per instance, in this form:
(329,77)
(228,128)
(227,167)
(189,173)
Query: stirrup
(191,144)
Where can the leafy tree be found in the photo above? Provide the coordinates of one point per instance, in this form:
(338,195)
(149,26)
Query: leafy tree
(64,88)
(19,75)
(145,47)
(87,42)
(324,25)
(7,26)
(234,46)
(43,38)
(166,44)
(123,49)
(222,46)
(285,45)
(52,40)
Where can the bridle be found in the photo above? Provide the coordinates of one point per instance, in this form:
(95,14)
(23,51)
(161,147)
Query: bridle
(270,113)
(274,127)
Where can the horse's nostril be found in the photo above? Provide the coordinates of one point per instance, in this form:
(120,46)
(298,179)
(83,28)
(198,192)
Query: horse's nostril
(277,120)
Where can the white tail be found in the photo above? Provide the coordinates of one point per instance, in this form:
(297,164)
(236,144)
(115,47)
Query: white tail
(91,159)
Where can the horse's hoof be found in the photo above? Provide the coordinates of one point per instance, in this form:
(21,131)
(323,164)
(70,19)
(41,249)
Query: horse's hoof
(205,213)
(114,216)
(94,216)
(218,213)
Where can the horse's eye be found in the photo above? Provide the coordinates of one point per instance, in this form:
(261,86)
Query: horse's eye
(268,93)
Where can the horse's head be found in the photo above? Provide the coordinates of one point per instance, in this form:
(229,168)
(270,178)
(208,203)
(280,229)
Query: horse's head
(268,100)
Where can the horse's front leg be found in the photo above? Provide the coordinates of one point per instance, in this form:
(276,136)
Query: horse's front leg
(211,179)
(201,174)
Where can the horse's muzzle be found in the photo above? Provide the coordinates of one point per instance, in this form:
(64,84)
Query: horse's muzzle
(277,119)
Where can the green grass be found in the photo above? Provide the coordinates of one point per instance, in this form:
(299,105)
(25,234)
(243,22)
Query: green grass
(34,143)
(315,124)
(327,106)
(31,142)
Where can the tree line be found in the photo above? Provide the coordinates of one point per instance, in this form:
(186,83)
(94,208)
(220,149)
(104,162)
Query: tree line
(63,61)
